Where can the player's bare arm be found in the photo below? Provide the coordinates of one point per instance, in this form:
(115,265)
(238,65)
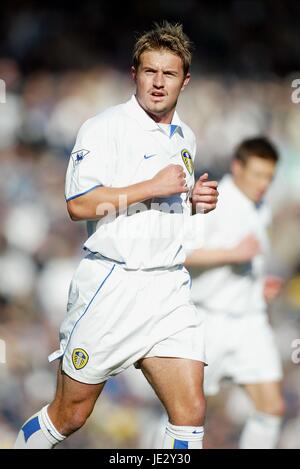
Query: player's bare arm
(169,181)
(243,251)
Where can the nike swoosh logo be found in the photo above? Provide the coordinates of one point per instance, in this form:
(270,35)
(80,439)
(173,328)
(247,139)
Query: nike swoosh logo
(149,156)
(197,433)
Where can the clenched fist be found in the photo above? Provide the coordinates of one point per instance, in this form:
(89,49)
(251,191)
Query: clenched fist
(205,195)
(169,181)
(272,287)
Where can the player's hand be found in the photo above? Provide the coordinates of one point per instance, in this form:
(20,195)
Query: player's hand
(169,181)
(245,250)
(272,287)
(205,195)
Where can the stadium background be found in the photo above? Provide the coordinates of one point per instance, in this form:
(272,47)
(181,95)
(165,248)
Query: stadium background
(63,63)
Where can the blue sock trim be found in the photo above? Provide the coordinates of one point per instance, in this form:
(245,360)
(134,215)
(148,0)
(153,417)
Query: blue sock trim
(31,427)
(181,444)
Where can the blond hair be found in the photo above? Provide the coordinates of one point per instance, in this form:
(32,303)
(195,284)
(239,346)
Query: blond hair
(168,37)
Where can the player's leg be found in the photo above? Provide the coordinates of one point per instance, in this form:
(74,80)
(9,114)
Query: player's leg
(258,369)
(73,403)
(263,427)
(178,383)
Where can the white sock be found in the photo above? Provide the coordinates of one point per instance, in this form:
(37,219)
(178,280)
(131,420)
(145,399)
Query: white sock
(261,432)
(183,437)
(38,433)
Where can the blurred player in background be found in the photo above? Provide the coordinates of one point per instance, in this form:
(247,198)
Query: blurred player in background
(234,291)
(129,300)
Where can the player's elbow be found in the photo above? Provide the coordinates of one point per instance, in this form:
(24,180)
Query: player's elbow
(188,262)
(74,210)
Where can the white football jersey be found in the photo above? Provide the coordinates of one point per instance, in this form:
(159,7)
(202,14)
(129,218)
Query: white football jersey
(237,288)
(120,147)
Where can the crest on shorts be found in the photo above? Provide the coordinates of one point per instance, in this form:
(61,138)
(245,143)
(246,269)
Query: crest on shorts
(79,358)
(188,161)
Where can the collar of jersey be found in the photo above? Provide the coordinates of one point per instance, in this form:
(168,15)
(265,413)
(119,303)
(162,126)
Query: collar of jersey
(149,124)
(238,194)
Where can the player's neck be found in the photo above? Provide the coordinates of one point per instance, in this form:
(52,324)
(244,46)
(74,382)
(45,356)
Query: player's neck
(242,190)
(165,119)
(159,118)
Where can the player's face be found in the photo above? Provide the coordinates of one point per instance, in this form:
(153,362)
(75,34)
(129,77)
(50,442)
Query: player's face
(254,177)
(159,79)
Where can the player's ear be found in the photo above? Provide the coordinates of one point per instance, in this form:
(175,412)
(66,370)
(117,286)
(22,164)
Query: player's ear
(133,73)
(236,167)
(186,81)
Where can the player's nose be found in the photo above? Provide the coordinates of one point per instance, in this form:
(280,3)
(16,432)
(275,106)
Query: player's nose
(158,80)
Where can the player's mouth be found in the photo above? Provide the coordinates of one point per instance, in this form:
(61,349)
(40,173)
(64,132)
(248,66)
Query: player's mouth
(157,95)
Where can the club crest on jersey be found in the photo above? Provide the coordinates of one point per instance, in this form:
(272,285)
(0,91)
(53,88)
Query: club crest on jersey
(79,358)
(187,159)
(78,156)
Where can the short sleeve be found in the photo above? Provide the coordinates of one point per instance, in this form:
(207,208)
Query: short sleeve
(91,159)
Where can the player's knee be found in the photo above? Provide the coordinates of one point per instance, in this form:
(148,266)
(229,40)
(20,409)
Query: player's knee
(76,418)
(192,413)
(197,412)
(278,408)
(72,417)
(275,407)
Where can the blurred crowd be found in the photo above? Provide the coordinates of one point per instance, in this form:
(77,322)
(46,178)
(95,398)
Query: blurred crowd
(251,37)
(40,247)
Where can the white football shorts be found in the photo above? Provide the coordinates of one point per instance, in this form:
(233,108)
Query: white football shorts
(242,348)
(115,317)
